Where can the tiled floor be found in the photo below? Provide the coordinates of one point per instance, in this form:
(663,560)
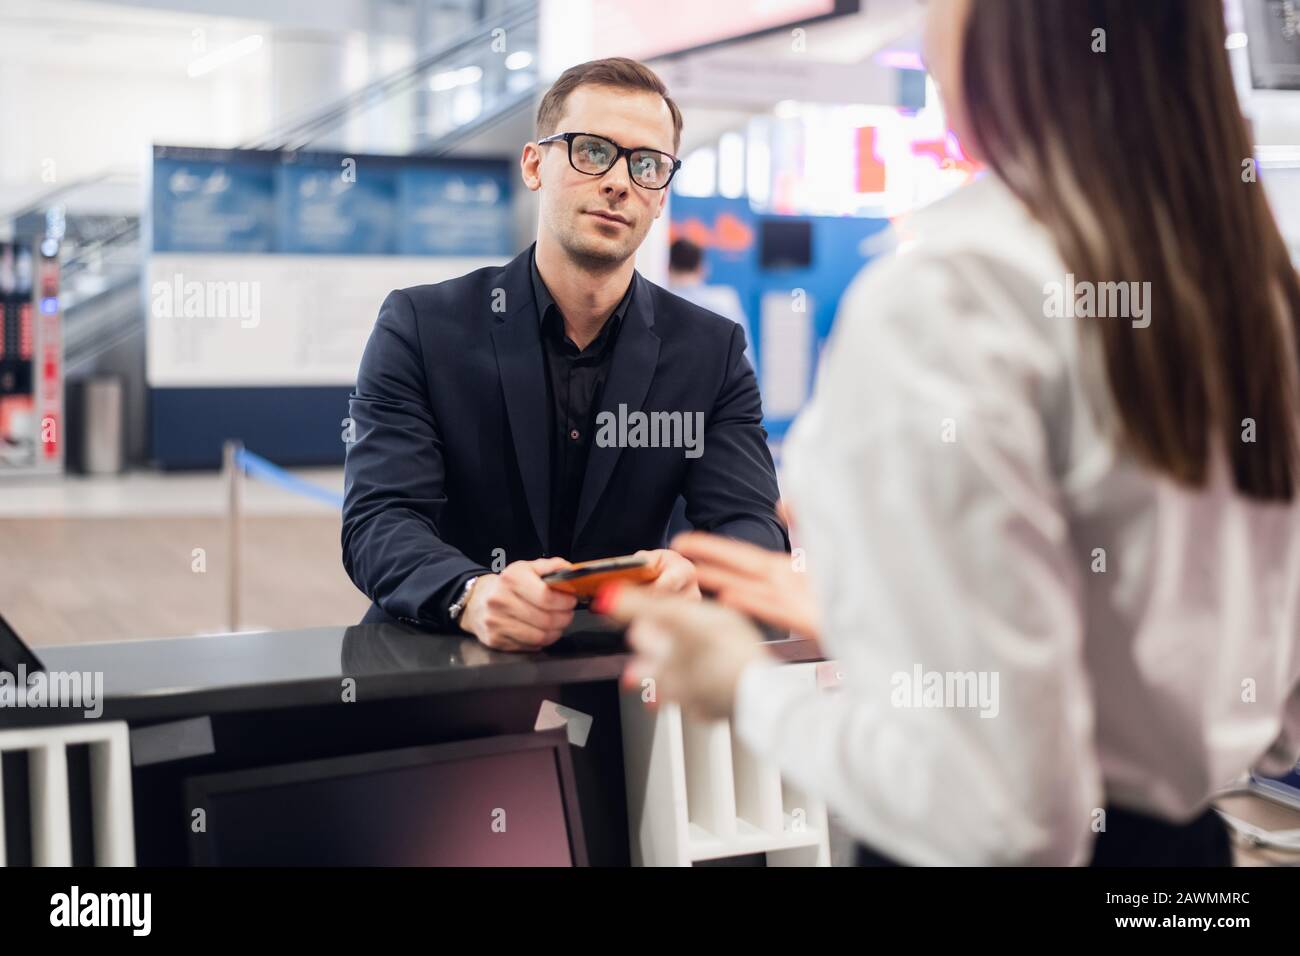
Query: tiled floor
(146,555)
(149,493)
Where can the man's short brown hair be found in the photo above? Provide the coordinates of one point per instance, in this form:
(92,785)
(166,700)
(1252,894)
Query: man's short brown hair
(616,71)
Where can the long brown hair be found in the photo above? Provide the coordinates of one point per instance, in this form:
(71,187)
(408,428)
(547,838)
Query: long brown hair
(1136,161)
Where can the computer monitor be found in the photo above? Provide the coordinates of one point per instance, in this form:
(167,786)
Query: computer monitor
(784,244)
(497,801)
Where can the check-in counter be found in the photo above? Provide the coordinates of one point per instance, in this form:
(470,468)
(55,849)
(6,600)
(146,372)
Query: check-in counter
(375,744)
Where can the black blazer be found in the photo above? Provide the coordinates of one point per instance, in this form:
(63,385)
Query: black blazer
(448,474)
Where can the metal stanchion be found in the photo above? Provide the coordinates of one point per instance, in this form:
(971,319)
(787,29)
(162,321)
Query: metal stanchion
(237,462)
(234,474)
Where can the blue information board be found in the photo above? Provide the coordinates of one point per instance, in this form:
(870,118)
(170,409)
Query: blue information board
(203,203)
(331,209)
(240,219)
(455,210)
(242,201)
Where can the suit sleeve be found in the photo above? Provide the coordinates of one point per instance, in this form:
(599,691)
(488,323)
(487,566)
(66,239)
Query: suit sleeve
(394,478)
(731,487)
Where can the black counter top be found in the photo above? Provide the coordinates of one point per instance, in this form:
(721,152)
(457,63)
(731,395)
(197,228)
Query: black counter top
(178,677)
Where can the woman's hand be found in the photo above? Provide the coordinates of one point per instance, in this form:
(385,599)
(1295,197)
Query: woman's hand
(763,584)
(694,651)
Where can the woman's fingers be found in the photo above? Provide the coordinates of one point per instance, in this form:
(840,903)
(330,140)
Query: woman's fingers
(760,602)
(773,601)
(684,650)
(651,641)
(678,616)
(795,616)
(710,549)
(625,602)
(717,580)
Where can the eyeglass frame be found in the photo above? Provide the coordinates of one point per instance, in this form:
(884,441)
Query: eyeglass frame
(622,152)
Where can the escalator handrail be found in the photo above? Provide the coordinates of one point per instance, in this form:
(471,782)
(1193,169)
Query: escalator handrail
(127,234)
(47,199)
(505,108)
(292,133)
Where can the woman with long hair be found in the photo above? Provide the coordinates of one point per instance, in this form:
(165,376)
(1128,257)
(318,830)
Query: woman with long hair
(1047,485)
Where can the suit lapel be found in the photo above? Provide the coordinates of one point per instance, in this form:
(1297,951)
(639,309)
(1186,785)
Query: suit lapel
(518,343)
(636,353)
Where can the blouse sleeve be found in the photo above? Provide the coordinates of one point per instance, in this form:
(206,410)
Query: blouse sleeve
(921,482)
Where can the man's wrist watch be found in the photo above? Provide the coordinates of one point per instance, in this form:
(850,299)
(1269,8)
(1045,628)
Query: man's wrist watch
(456,608)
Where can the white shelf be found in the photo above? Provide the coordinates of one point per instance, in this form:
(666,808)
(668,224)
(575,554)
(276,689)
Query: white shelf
(748,839)
(695,792)
(50,803)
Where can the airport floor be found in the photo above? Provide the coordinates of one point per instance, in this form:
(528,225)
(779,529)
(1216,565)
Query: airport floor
(145,555)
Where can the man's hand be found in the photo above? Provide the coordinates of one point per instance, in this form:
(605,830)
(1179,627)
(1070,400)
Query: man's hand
(515,610)
(676,574)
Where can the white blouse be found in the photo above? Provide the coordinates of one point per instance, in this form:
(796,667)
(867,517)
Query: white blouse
(1029,625)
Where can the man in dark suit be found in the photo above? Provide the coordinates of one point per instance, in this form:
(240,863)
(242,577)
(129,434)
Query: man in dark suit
(519,418)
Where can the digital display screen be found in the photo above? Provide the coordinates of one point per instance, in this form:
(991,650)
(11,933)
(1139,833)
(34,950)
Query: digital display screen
(785,244)
(448,805)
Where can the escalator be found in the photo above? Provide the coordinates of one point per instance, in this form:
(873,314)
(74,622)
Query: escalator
(441,102)
(438,105)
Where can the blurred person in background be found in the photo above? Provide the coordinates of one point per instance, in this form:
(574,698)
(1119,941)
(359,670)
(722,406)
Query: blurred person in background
(687,275)
(1048,481)
(687,271)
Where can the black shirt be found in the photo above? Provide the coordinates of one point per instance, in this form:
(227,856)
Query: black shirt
(575,379)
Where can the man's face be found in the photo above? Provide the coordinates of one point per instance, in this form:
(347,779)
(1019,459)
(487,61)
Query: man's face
(600,220)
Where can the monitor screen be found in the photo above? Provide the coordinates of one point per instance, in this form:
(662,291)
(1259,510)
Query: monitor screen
(499,801)
(785,244)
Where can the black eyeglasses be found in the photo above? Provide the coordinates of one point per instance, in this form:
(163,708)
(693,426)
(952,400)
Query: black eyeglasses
(596,155)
